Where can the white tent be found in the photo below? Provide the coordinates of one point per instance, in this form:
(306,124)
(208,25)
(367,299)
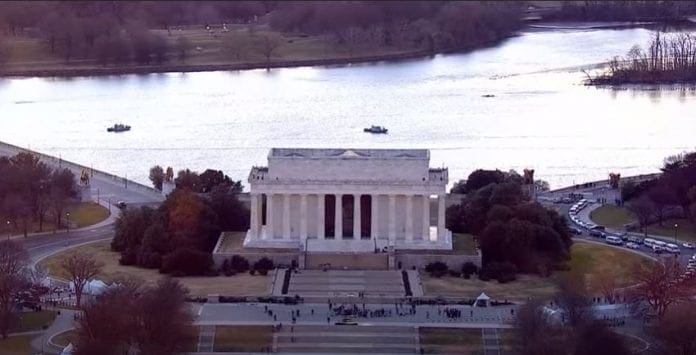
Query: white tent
(93,287)
(68,350)
(482,300)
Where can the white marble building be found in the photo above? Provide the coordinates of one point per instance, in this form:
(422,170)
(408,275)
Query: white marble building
(305,199)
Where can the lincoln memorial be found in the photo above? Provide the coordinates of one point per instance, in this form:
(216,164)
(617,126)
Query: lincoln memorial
(348,200)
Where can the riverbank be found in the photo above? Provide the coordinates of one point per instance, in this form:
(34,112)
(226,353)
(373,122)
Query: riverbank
(238,49)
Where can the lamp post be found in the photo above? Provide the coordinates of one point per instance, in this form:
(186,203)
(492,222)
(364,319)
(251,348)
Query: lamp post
(67,216)
(9,231)
(675,233)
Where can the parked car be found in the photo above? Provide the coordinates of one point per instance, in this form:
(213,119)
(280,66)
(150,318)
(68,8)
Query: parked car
(658,249)
(596,233)
(673,248)
(574,230)
(121,204)
(688,245)
(613,240)
(634,239)
(599,228)
(632,245)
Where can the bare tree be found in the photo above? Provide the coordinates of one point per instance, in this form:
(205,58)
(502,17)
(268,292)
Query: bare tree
(676,329)
(81,268)
(269,45)
(536,331)
(661,285)
(606,282)
(573,300)
(13,271)
(644,209)
(662,198)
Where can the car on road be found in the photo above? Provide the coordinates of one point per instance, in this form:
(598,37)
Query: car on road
(672,248)
(598,228)
(658,249)
(574,230)
(634,239)
(597,234)
(632,245)
(347,321)
(688,245)
(121,204)
(613,240)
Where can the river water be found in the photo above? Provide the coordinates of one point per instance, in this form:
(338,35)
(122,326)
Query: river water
(541,116)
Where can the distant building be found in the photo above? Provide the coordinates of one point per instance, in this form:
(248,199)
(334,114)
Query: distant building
(348,200)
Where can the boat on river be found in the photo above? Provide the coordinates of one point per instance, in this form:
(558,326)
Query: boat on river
(376,129)
(119,127)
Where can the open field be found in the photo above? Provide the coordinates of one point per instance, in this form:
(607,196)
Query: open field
(249,338)
(19,345)
(686,230)
(450,340)
(65,338)
(612,216)
(31,321)
(87,214)
(81,215)
(587,259)
(241,47)
(238,285)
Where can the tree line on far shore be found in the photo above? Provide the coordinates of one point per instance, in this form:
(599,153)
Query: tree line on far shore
(32,193)
(179,236)
(618,10)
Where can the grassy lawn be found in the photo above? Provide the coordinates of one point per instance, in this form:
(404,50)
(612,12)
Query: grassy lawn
(450,340)
(243,44)
(508,340)
(81,215)
(65,338)
(686,230)
(16,345)
(587,259)
(612,216)
(238,285)
(251,338)
(87,213)
(30,321)
(463,242)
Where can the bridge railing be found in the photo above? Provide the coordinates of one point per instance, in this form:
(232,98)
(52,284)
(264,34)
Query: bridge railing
(78,168)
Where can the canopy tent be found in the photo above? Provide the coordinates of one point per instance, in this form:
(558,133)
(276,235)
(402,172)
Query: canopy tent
(482,300)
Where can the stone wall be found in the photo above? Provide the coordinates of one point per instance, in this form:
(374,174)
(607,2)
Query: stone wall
(420,260)
(281,258)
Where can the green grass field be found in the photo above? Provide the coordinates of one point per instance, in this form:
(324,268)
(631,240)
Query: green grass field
(450,340)
(612,216)
(65,338)
(686,230)
(20,345)
(87,214)
(249,338)
(31,321)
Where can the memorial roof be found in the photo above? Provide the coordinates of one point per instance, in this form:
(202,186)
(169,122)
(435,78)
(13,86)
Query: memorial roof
(315,153)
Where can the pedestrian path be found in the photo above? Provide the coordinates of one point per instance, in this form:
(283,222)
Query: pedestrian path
(206,338)
(491,343)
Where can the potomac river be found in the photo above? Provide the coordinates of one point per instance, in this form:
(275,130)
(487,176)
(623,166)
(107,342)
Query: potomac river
(537,113)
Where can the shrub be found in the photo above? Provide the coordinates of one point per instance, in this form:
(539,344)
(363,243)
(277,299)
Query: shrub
(503,272)
(229,272)
(225,266)
(252,272)
(187,261)
(239,263)
(128,257)
(437,269)
(469,268)
(149,260)
(263,265)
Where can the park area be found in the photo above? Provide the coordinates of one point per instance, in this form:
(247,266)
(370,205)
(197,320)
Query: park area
(80,215)
(198,286)
(243,338)
(616,217)
(587,260)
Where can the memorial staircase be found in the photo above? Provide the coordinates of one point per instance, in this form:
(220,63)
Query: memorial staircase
(346,339)
(347,283)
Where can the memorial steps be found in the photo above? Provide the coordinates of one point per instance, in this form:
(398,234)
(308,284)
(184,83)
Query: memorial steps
(348,261)
(350,283)
(346,339)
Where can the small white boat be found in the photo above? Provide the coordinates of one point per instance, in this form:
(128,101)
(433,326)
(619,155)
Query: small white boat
(375,129)
(118,127)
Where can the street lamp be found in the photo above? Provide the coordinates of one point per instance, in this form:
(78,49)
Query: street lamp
(675,233)
(67,216)
(9,231)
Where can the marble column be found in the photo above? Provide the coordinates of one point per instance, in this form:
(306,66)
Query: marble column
(286,216)
(254,212)
(426,217)
(374,220)
(409,217)
(269,217)
(441,217)
(303,217)
(338,222)
(356,217)
(320,217)
(392,219)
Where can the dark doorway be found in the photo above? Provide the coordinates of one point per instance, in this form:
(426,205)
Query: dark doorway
(366,216)
(329,216)
(347,207)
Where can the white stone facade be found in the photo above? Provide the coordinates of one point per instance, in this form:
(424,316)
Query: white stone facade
(305,199)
